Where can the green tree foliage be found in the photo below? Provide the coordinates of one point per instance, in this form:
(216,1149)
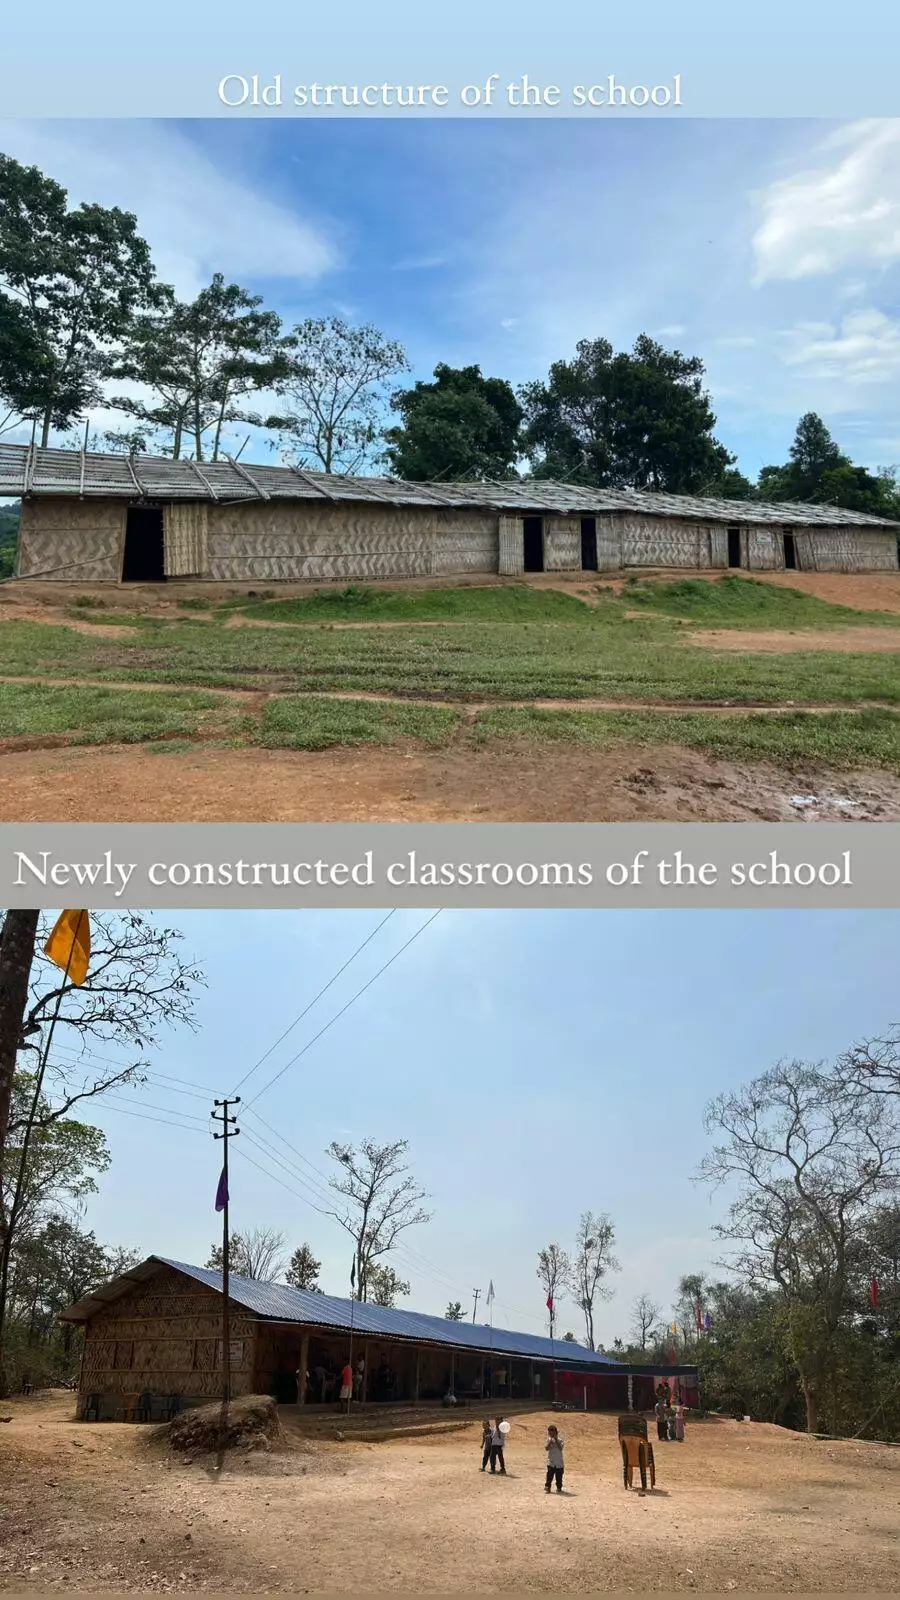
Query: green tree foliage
(303,1270)
(639,420)
(462,425)
(819,473)
(385,1286)
(335,392)
(454,1312)
(811,1159)
(200,361)
(10,515)
(70,283)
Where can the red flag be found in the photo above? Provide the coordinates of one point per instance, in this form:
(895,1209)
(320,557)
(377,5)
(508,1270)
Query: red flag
(699,1318)
(550,1304)
(873,1293)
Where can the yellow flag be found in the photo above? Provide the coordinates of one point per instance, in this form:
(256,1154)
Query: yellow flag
(69,945)
(674,1327)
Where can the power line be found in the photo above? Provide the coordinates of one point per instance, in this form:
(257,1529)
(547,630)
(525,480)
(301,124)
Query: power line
(316,998)
(336,1018)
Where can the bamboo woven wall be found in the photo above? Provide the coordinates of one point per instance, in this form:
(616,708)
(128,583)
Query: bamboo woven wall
(70,541)
(165,1337)
(304,542)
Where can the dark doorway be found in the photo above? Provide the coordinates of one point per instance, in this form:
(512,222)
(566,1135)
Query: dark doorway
(144,560)
(533,535)
(734,547)
(589,544)
(790,552)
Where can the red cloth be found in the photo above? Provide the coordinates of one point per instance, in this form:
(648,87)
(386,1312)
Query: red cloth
(347,1377)
(873,1293)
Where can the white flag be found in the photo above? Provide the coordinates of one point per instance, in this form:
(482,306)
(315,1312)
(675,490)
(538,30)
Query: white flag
(490,1293)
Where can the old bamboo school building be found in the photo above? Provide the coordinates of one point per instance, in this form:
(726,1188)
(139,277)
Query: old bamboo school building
(94,518)
(153,1346)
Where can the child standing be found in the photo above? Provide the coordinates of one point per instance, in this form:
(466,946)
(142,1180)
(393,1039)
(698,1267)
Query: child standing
(679,1424)
(487,1429)
(555,1466)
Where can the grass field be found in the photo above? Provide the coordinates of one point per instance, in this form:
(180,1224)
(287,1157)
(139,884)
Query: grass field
(589,668)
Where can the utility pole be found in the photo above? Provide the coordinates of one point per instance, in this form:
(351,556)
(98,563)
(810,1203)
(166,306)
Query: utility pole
(230,1130)
(477,1294)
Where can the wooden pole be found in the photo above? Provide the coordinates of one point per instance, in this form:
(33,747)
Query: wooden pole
(229,1131)
(301,1376)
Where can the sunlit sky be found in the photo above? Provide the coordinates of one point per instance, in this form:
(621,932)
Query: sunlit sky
(769,248)
(539,1063)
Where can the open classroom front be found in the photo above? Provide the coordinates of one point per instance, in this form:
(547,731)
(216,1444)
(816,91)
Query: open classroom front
(153,1344)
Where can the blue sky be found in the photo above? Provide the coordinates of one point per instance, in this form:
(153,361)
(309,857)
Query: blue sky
(539,1063)
(770,248)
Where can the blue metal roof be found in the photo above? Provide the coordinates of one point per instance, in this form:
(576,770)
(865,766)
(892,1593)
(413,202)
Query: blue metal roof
(283,1304)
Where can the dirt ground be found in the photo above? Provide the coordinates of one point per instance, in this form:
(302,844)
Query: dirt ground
(738,1508)
(515,783)
(864,591)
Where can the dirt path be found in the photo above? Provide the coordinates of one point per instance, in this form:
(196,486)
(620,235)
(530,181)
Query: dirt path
(256,698)
(517,782)
(738,1508)
(861,640)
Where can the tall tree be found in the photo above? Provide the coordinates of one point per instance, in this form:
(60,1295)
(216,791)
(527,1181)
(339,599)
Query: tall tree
(385,1286)
(258,1254)
(303,1270)
(809,1158)
(70,283)
(455,1312)
(462,425)
(200,361)
(639,420)
(380,1200)
(137,985)
(554,1269)
(17,941)
(645,1315)
(819,472)
(335,390)
(592,1261)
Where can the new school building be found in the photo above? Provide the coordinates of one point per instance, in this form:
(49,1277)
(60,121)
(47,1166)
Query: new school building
(154,1343)
(94,518)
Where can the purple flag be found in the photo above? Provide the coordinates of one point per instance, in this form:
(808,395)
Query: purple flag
(708,1322)
(222,1192)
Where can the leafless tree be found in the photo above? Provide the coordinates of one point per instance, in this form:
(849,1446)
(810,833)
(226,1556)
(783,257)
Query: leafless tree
(258,1254)
(873,1066)
(137,984)
(810,1156)
(645,1315)
(380,1200)
(592,1260)
(336,389)
(554,1269)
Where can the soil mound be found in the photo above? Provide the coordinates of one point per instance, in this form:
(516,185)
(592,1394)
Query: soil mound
(251,1424)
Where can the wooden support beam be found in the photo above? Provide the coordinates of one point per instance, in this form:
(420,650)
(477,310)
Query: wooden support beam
(304,1364)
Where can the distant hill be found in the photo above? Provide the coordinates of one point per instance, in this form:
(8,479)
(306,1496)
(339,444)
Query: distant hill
(10,512)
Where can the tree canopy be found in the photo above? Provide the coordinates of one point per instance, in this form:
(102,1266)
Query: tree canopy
(639,420)
(462,425)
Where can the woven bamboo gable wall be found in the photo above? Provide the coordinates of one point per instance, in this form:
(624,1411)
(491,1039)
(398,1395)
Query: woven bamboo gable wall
(308,542)
(68,541)
(165,1337)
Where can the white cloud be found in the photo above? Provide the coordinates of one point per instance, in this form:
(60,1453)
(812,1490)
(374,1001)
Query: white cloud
(843,213)
(197,218)
(736,341)
(863,348)
(673,332)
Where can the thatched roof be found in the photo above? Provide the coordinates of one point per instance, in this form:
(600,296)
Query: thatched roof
(31,470)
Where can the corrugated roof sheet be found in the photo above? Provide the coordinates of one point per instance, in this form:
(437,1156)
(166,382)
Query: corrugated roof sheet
(280,1303)
(26,470)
